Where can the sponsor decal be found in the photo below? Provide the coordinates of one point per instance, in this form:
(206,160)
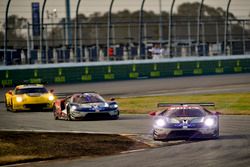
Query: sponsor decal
(198,70)
(60,78)
(219,68)
(238,68)
(178,71)
(155,73)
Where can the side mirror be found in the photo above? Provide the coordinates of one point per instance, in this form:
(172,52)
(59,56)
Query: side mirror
(152,113)
(112,99)
(10,92)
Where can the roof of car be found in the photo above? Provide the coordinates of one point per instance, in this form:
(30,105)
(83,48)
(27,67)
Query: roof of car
(29,86)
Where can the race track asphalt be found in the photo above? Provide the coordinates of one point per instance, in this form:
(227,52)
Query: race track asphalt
(231,149)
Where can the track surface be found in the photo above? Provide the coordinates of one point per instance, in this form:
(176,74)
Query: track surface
(232,149)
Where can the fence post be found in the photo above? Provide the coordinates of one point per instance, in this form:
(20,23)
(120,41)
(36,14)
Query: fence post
(6,32)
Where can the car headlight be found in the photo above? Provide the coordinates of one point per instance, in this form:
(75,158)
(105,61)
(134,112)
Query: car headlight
(73,108)
(51,97)
(113,106)
(19,99)
(160,122)
(209,122)
(106,105)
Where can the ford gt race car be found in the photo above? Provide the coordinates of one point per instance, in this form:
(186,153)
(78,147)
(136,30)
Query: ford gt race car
(187,120)
(85,105)
(29,97)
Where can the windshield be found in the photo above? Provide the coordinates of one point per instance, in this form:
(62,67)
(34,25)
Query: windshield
(88,98)
(191,112)
(31,90)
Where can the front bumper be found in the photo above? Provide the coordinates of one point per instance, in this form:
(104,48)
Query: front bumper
(33,106)
(81,114)
(171,133)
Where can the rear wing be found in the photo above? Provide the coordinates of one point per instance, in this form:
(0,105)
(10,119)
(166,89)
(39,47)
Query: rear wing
(68,94)
(209,104)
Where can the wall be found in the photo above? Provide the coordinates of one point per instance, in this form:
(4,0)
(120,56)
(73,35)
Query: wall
(123,70)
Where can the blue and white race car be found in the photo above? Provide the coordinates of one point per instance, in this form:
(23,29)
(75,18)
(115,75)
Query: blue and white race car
(85,105)
(185,120)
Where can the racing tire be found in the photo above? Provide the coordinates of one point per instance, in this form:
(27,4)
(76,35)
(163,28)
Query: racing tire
(69,117)
(115,117)
(11,107)
(54,112)
(216,134)
(6,105)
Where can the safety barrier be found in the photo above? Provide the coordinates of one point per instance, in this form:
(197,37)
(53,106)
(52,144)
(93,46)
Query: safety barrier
(123,70)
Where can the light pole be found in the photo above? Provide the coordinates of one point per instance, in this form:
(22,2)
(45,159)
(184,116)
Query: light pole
(170,26)
(6,32)
(76,31)
(198,26)
(160,25)
(141,28)
(109,27)
(226,27)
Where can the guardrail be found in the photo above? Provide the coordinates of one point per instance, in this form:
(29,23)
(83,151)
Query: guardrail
(123,70)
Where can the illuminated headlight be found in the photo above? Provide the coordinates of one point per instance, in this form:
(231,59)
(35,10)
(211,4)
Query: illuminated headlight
(19,99)
(51,97)
(160,122)
(209,122)
(114,106)
(106,105)
(73,108)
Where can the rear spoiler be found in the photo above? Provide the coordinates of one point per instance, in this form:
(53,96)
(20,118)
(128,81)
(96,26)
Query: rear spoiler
(66,94)
(181,104)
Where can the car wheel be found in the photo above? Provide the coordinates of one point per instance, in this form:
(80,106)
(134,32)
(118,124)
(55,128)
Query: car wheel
(69,117)
(216,134)
(55,114)
(6,105)
(115,117)
(11,107)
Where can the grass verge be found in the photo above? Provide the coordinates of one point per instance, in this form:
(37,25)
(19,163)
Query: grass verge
(18,147)
(227,103)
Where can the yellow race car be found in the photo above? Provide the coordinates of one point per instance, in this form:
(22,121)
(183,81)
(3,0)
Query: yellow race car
(33,97)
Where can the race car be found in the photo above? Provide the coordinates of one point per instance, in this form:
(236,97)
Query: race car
(186,121)
(85,105)
(33,97)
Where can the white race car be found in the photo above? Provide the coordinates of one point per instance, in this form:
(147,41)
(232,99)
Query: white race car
(185,120)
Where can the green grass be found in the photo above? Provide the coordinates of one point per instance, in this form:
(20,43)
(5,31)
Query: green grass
(228,103)
(17,147)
